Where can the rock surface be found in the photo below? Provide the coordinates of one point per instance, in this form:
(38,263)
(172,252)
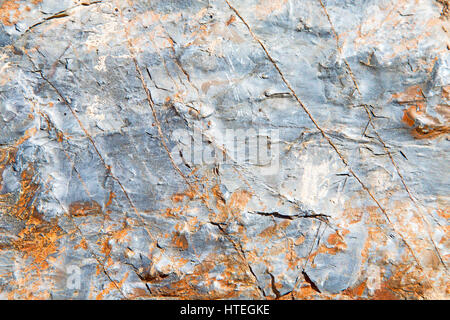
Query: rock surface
(109,110)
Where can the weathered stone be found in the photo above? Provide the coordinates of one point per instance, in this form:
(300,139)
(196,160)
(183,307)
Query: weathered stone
(224,149)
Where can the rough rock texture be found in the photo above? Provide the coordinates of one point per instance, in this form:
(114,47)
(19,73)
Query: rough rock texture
(98,201)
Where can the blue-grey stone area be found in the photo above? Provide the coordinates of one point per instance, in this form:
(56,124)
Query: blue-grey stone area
(224,149)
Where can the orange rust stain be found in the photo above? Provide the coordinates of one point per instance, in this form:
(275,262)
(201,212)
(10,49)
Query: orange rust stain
(10,11)
(221,205)
(384,293)
(83,245)
(299,240)
(179,197)
(121,235)
(274,230)
(23,208)
(428,132)
(292,259)
(406,282)
(352,215)
(415,115)
(415,112)
(409,44)
(59,136)
(306,292)
(180,241)
(355,292)
(337,239)
(105,246)
(112,195)
(39,238)
(230,209)
(112,286)
(138,293)
(444,111)
(409,116)
(238,201)
(232,282)
(28,134)
(443,213)
(231,20)
(445,14)
(338,245)
(446,92)
(214,34)
(410,95)
(267,7)
(82,209)
(172,212)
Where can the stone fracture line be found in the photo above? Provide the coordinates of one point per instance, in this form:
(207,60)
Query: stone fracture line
(140,222)
(60,14)
(237,246)
(118,115)
(193,187)
(176,60)
(324,134)
(152,106)
(385,147)
(228,155)
(176,84)
(107,167)
(90,139)
(241,253)
(316,238)
(163,59)
(66,212)
(102,265)
(61,140)
(158,124)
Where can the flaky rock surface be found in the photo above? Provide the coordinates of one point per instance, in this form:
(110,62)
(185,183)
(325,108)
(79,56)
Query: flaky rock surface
(98,201)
